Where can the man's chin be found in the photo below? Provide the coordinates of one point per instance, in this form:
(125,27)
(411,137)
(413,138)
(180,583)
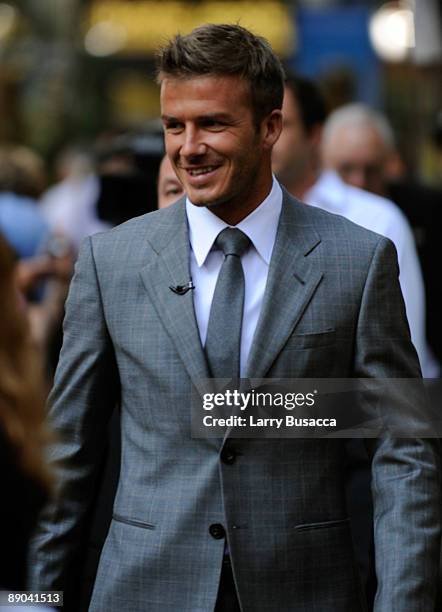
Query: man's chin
(207,199)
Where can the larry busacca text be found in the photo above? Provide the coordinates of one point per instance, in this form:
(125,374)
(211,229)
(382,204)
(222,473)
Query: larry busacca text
(297,408)
(238,400)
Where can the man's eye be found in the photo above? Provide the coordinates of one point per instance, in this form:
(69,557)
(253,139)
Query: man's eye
(213,124)
(173,127)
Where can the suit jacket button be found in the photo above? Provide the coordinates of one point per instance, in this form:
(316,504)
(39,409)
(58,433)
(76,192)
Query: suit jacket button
(217,531)
(228,455)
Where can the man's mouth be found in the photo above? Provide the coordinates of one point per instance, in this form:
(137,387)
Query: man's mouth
(200,171)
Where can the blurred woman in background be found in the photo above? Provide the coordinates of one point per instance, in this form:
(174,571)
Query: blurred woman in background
(24,478)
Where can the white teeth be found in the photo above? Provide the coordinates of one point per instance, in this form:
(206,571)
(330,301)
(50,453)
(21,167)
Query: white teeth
(199,171)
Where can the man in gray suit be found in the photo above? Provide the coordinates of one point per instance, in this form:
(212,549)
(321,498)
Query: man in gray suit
(239,524)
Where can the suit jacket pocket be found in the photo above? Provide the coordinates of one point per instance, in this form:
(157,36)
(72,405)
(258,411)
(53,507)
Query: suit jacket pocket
(134,522)
(322,525)
(313,340)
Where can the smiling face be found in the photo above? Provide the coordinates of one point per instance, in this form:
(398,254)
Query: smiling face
(219,154)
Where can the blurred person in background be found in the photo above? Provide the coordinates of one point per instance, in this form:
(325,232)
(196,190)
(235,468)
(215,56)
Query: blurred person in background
(54,268)
(24,477)
(297,164)
(30,171)
(44,260)
(51,268)
(359,144)
(21,221)
(169,187)
(70,206)
(296,161)
(296,155)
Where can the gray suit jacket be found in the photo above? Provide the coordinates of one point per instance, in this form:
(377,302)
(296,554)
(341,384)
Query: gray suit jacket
(332,308)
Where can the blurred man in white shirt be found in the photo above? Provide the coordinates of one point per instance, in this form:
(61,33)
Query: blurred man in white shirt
(297,164)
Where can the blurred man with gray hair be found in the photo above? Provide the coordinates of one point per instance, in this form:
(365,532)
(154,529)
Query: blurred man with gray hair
(297,163)
(359,144)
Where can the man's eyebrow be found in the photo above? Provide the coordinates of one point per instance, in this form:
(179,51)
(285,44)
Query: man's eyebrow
(222,116)
(207,116)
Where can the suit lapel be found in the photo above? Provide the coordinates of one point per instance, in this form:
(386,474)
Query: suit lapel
(171,268)
(291,283)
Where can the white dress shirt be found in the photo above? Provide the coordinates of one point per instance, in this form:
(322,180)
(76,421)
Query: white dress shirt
(383,217)
(205,262)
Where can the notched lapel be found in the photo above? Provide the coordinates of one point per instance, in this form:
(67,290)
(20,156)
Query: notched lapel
(291,284)
(169,269)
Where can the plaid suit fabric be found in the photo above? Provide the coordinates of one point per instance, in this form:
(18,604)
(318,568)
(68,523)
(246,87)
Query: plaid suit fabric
(332,308)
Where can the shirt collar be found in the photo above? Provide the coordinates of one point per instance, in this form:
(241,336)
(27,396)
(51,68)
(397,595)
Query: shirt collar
(260,226)
(329,189)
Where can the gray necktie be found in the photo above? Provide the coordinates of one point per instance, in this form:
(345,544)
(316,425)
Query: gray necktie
(224,330)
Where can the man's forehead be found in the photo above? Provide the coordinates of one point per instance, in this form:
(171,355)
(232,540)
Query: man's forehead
(204,85)
(358,140)
(205,98)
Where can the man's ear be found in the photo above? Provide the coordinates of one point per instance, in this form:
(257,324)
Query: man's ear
(271,128)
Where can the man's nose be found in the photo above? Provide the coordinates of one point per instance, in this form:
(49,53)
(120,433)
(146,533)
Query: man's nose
(192,143)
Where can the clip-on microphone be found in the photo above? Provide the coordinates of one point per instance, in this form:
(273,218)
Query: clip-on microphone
(182,289)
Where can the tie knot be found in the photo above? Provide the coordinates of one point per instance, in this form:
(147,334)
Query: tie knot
(232,241)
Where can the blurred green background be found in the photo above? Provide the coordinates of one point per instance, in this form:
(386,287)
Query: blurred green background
(73,69)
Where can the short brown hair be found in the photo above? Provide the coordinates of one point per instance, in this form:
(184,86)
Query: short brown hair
(227,49)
